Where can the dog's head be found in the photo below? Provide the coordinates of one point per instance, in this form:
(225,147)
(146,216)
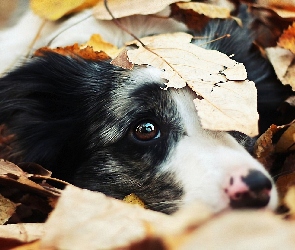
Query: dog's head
(117,131)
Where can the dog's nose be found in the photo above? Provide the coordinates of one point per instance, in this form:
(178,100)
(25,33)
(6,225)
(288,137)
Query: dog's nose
(250,191)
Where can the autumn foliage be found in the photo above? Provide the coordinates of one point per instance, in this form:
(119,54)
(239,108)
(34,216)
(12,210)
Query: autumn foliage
(28,193)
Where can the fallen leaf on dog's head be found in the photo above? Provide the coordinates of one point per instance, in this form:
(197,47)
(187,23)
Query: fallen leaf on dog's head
(98,44)
(130,7)
(74,51)
(283,62)
(219,82)
(55,9)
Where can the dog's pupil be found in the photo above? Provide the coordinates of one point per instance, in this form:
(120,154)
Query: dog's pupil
(146,131)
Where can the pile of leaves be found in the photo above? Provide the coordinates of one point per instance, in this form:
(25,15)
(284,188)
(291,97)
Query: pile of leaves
(81,219)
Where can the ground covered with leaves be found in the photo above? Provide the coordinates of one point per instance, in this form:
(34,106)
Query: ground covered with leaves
(41,212)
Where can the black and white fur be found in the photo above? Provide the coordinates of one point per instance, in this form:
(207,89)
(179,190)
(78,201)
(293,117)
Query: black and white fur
(82,120)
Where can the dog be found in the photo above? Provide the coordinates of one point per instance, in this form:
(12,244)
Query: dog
(116,131)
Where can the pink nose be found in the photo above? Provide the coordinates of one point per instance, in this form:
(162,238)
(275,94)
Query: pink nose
(250,191)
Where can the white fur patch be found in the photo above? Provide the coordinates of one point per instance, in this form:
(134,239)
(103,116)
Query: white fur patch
(205,160)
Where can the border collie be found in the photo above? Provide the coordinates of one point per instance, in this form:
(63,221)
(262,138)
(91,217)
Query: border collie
(117,131)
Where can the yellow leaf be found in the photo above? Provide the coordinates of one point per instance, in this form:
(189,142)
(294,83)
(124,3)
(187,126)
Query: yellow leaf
(133,199)
(209,10)
(287,39)
(220,82)
(98,44)
(55,9)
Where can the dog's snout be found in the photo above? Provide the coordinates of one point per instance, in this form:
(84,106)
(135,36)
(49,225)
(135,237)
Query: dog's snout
(250,191)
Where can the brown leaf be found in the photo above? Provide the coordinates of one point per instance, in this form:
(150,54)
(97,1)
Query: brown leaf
(33,194)
(193,20)
(283,183)
(75,51)
(122,60)
(264,146)
(7,209)
(287,140)
(267,25)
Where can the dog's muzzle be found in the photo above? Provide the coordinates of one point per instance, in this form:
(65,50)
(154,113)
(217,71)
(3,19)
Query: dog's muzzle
(250,191)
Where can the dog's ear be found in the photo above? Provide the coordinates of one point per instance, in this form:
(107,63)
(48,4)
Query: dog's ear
(45,103)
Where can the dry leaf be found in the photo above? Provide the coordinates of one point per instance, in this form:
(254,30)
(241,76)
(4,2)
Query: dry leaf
(284,8)
(35,245)
(196,15)
(130,7)
(284,183)
(133,199)
(287,140)
(55,9)
(283,63)
(192,19)
(287,39)
(98,222)
(253,230)
(289,201)
(267,25)
(75,51)
(263,146)
(34,194)
(98,44)
(122,61)
(7,208)
(220,82)
(24,232)
(209,10)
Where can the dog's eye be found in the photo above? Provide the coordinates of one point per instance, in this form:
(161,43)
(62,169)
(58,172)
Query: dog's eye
(146,131)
